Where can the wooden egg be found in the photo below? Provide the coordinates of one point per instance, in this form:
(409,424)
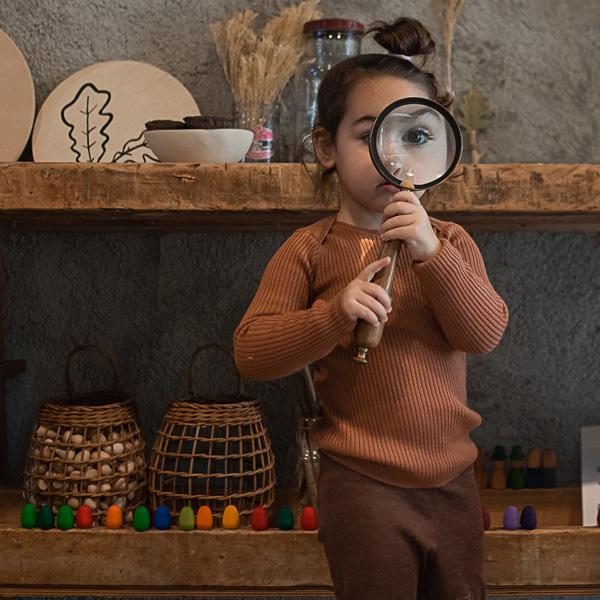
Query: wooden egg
(511,518)
(45,518)
(29,516)
(487,521)
(204,518)
(65,518)
(285,519)
(187,519)
(528,518)
(141,519)
(231,517)
(162,518)
(114,517)
(308,519)
(260,519)
(84,518)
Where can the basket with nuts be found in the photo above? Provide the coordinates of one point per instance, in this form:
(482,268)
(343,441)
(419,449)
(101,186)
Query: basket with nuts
(87,448)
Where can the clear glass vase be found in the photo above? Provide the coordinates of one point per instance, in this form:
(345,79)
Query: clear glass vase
(258,118)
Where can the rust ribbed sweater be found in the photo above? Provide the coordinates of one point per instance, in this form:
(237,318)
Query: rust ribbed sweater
(403,418)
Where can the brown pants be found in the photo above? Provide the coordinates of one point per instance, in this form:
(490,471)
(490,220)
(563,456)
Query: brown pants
(388,543)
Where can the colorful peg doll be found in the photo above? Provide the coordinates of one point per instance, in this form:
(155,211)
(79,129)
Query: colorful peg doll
(516,475)
(533,475)
(498,479)
(549,468)
(480,470)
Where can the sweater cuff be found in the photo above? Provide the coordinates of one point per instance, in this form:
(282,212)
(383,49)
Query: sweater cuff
(442,266)
(341,323)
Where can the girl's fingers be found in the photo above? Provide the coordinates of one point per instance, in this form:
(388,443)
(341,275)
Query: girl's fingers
(367,273)
(373,306)
(377,292)
(398,221)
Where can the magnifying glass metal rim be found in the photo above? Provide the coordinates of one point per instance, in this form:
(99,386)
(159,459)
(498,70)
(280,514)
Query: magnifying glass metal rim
(402,102)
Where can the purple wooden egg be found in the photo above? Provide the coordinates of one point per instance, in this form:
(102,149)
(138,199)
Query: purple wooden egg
(528,518)
(511,518)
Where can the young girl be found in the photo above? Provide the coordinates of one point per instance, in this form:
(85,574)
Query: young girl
(399,511)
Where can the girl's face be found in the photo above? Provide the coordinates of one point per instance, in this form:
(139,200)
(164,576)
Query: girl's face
(362,187)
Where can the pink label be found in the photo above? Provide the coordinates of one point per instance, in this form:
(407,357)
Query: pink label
(262,146)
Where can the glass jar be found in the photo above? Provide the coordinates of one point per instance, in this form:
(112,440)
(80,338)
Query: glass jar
(327,42)
(258,118)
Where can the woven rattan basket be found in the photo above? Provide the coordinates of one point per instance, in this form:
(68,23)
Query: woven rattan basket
(87,448)
(212,450)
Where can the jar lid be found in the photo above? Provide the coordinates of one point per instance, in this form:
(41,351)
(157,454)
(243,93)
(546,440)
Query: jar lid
(345,25)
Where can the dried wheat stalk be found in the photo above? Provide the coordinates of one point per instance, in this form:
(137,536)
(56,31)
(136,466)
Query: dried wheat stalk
(452,9)
(258,67)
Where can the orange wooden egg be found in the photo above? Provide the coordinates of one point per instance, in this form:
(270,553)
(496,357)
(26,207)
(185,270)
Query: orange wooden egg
(204,518)
(114,517)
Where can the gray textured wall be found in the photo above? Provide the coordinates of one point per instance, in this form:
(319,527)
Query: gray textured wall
(145,296)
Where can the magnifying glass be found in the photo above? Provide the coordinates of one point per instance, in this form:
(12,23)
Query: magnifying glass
(415,143)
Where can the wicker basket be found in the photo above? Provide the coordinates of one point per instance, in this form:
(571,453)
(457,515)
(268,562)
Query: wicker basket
(87,448)
(212,450)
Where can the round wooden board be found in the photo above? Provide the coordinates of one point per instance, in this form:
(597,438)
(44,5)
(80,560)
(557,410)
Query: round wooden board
(99,113)
(17,100)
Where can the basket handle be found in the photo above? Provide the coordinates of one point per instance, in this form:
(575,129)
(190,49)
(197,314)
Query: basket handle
(228,353)
(87,348)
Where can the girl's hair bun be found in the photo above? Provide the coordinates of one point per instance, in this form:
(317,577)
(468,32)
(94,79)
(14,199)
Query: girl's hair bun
(404,36)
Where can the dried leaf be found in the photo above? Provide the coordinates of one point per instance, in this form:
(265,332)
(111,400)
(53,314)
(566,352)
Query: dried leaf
(474,111)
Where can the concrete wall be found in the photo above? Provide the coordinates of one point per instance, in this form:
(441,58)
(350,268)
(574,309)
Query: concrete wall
(152,298)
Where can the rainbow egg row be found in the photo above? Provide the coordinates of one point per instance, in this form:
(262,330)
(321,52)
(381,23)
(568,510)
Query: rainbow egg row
(161,519)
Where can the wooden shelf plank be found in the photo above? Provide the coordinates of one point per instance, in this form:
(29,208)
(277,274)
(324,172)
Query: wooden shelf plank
(72,196)
(247,563)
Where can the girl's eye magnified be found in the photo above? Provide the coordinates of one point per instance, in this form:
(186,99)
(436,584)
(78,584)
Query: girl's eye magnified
(417,136)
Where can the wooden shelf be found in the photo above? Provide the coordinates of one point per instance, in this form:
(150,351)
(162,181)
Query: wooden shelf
(164,197)
(246,563)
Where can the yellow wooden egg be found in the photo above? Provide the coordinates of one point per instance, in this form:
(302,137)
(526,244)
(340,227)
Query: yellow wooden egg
(231,517)
(204,518)
(114,517)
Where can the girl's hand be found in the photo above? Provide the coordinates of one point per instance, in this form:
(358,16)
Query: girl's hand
(406,219)
(362,299)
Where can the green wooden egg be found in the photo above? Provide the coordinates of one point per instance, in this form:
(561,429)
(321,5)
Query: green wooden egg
(285,518)
(29,516)
(141,519)
(45,517)
(187,519)
(65,518)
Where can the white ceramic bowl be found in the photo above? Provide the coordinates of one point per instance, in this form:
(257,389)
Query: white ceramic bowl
(199,145)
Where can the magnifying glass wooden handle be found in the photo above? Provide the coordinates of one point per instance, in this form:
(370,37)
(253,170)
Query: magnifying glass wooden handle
(367,336)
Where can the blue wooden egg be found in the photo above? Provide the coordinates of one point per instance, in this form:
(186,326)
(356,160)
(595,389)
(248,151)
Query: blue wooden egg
(511,518)
(528,518)
(162,518)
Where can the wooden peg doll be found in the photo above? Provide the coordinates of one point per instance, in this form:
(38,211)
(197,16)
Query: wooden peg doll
(516,475)
(533,474)
(498,479)
(548,468)
(480,471)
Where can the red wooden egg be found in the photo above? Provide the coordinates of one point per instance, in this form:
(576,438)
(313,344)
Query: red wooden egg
(308,520)
(260,519)
(84,518)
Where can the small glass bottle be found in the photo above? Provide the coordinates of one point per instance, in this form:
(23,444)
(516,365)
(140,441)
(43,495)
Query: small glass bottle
(258,118)
(327,42)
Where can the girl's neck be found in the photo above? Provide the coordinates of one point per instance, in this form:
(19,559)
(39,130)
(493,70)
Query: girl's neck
(353,213)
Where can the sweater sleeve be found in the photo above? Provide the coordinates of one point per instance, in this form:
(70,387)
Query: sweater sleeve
(279,333)
(472,315)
